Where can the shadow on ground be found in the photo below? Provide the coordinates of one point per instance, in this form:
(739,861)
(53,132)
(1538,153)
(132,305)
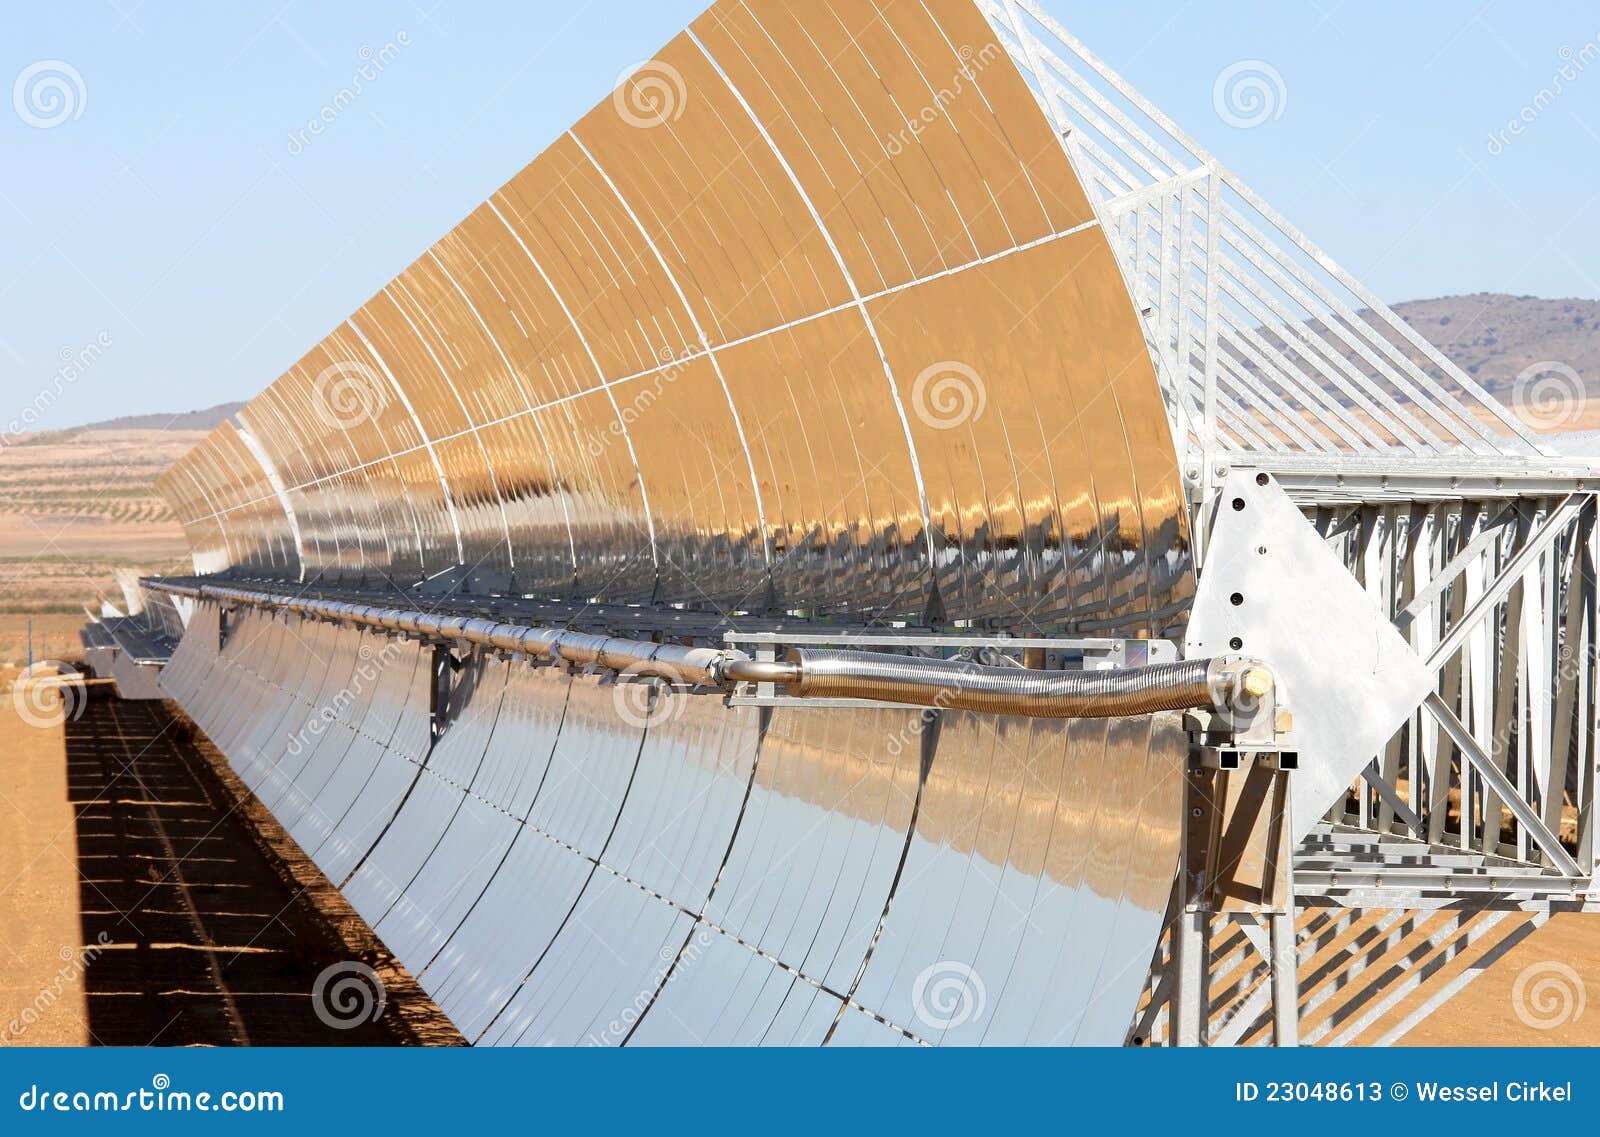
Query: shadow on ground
(196,931)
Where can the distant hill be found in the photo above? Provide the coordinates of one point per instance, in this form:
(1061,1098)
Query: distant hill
(1493,337)
(180,420)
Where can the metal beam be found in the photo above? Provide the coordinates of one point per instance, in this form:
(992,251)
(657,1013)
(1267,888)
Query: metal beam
(1435,588)
(1559,519)
(1524,812)
(1391,798)
(1313,479)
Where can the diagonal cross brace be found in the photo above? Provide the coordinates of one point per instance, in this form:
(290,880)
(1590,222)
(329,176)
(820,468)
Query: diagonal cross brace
(1559,519)
(1525,814)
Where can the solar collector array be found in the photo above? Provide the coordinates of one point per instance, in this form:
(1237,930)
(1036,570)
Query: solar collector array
(681,362)
(700,358)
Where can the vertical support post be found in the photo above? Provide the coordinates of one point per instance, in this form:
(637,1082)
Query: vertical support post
(439,690)
(1453,687)
(1564,636)
(1209,477)
(1191,945)
(1236,864)
(1191,936)
(1479,657)
(1369,548)
(1285,980)
(1584,584)
(1285,952)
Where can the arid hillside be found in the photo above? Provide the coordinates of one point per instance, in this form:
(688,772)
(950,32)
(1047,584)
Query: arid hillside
(73,511)
(1495,338)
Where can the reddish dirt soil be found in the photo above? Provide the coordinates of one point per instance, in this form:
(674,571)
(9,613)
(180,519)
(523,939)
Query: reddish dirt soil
(162,905)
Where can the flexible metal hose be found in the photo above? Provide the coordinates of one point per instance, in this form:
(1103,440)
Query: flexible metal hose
(964,686)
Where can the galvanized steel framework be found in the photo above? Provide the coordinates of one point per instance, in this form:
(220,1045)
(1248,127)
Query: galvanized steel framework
(580,392)
(1467,529)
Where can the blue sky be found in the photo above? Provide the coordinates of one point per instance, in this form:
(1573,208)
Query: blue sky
(174,232)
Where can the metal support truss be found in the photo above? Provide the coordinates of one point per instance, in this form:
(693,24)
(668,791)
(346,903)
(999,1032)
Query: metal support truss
(1498,596)
(1475,822)
(443,664)
(1265,344)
